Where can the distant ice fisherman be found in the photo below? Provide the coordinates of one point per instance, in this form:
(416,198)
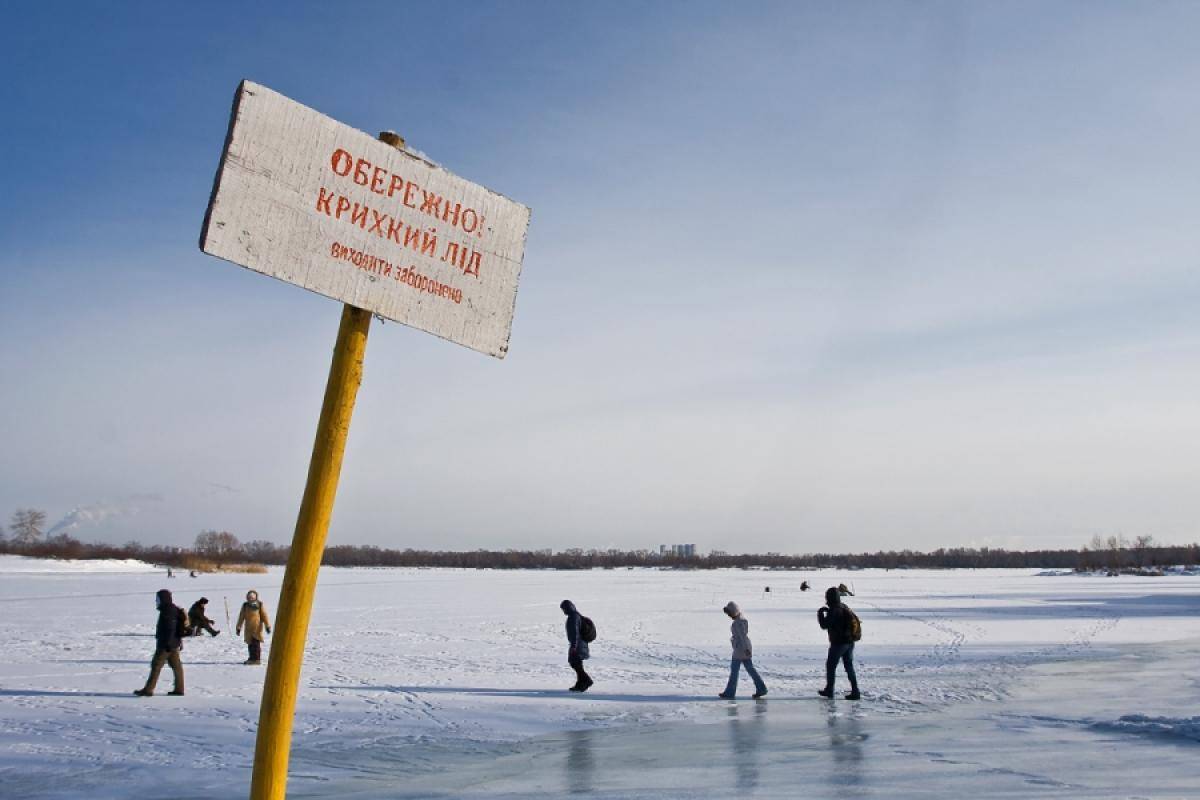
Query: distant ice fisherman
(742,652)
(844,630)
(580,631)
(253,617)
(168,640)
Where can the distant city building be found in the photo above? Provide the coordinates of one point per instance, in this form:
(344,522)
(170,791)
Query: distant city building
(680,550)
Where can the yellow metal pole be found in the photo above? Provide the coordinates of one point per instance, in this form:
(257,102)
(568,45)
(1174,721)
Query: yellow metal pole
(278,704)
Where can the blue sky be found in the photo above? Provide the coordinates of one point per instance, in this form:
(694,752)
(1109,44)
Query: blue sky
(799,276)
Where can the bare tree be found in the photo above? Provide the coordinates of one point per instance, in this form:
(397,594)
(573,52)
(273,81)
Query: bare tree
(1140,545)
(264,552)
(1116,546)
(27,526)
(217,545)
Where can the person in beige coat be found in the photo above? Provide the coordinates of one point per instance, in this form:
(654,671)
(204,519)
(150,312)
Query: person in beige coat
(253,617)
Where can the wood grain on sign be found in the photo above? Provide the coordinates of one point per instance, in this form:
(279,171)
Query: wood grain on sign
(308,200)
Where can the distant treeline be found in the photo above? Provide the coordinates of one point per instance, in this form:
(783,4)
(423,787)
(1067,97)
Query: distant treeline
(219,548)
(942,558)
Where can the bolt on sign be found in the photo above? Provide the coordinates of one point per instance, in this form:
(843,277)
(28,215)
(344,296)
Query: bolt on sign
(308,200)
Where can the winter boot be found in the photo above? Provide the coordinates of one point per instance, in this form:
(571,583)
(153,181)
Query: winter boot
(143,692)
(826,692)
(757,695)
(854,695)
(175,693)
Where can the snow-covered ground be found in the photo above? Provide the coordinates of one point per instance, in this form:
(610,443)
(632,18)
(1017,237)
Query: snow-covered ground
(440,683)
(52,566)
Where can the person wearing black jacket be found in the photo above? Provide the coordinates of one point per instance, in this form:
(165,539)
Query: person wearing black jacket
(577,650)
(168,641)
(198,615)
(835,619)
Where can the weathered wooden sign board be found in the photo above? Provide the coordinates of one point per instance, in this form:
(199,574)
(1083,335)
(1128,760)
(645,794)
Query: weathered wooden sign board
(308,200)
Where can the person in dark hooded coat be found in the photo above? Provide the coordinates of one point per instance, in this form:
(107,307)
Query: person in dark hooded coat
(168,641)
(577,648)
(834,618)
(198,616)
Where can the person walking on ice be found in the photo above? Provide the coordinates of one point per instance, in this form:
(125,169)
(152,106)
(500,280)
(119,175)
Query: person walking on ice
(742,653)
(844,630)
(580,631)
(168,640)
(253,617)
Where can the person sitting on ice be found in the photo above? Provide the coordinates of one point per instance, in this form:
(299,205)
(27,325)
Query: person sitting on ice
(253,617)
(199,618)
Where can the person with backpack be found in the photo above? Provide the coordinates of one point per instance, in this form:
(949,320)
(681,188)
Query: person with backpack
(168,641)
(844,629)
(198,617)
(580,631)
(742,652)
(253,617)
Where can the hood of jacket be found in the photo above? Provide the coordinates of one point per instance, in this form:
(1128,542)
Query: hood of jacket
(568,607)
(832,597)
(162,599)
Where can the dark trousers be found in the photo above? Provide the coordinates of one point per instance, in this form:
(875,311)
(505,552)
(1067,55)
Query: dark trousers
(255,649)
(199,627)
(156,664)
(845,654)
(581,676)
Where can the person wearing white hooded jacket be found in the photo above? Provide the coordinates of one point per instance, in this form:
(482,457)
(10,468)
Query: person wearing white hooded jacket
(742,652)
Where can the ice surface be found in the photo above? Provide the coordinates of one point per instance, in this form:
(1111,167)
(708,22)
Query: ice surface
(443,683)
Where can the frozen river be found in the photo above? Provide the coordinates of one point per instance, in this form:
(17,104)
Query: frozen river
(439,683)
